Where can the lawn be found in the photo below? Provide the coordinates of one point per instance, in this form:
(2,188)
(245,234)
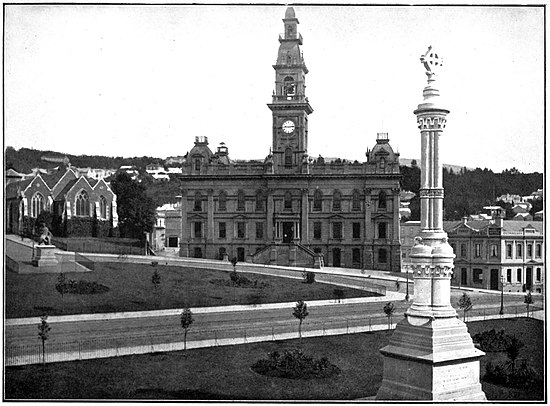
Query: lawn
(224,373)
(131,289)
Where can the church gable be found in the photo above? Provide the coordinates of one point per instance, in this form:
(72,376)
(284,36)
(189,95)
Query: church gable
(68,176)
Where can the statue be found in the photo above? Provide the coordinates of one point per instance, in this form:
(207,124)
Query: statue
(45,235)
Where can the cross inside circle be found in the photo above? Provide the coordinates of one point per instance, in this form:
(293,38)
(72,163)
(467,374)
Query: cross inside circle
(431,61)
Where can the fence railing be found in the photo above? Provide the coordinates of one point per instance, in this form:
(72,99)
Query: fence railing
(197,337)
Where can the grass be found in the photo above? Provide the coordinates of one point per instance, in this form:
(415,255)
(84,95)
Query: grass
(224,373)
(131,289)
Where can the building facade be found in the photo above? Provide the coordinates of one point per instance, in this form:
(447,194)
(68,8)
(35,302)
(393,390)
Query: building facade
(79,206)
(289,208)
(500,254)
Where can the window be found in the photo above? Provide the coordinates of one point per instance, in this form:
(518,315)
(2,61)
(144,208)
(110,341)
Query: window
(356,201)
(240,254)
(477,275)
(241,227)
(529,250)
(509,275)
(382,255)
(221,252)
(222,201)
(337,231)
(538,250)
(494,250)
(259,231)
(198,252)
(317,230)
(508,250)
(518,275)
(462,250)
(37,205)
(197,164)
(197,228)
(82,205)
(221,230)
(317,200)
(288,157)
(356,256)
(538,275)
(172,242)
(102,207)
(288,201)
(382,200)
(519,251)
(477,250)
(356,230)
(337,201)
(260,201)
(240,200)
(289,86)
(198,201)
(382,230)
(464,276)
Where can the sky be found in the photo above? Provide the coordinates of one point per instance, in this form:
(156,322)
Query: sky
(129,80)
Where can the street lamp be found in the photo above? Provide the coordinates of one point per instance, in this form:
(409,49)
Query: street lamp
(501,312)
(407,294)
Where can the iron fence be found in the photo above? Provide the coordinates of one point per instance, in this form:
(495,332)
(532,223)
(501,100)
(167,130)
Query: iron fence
(173,341)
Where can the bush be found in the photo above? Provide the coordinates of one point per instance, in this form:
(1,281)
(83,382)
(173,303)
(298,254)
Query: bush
(309,277)
(492,341)
(522,377)
(85,287)
(294,364)
(243,282)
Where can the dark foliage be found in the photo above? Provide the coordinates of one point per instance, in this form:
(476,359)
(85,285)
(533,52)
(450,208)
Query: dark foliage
(244,282)
(82,287)
(523,376)
(492,341)
(136,211)
(294,364)
(309,277)
(339,294)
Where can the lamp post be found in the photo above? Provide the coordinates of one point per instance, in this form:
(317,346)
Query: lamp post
(407,294)
(501,312)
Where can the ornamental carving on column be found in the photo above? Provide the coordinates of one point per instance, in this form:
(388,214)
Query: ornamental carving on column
(431,123)
(431,193)
(431,270)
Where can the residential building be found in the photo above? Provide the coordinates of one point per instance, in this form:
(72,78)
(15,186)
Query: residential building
(289,208)
(499,254)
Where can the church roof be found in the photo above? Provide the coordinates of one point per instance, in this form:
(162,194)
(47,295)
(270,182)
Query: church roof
(290,13)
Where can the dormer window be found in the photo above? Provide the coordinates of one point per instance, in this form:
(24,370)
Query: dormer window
(197,164)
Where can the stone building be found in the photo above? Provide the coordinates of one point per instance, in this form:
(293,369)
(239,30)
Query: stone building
(289,208)
(500,254)
(80,206)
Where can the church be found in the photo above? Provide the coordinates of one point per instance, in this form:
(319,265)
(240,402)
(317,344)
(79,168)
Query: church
(291,209)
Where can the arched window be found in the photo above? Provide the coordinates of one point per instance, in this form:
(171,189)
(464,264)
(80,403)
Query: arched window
(240,200)
(288,201)
(289,86)
(337,201)
(37,204)
(382,200)
(317,200)
(288,157)
(102,207)
(260,201)
(356,200)
(82,204)
(222,201)
(198,201)
(197,164)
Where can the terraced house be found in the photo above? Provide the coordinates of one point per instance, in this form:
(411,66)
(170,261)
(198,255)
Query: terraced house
(499,254)
(289,208)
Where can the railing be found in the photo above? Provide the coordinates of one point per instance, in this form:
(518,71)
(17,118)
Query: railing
(198,338)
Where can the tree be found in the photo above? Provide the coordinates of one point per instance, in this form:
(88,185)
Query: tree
(338,294)
(528,300)
(155,279)
(512,350)
(300,312)
(465,303)
(136,211)
(43,333)
(186,321)
(389,308)
(62,286)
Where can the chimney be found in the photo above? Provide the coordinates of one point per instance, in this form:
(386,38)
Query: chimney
(499,221)
(464,220)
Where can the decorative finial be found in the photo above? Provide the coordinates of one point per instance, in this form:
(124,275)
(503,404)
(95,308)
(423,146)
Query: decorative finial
(432,62)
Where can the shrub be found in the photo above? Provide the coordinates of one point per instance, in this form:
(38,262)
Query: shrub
(309,277)
(294,364)
(82,287)
(523,377)
(492,341)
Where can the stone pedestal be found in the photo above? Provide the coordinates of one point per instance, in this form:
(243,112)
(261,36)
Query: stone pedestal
(44,255)
(431,359)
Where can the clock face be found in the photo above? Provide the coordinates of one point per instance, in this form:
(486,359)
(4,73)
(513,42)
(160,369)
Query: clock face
(288,127)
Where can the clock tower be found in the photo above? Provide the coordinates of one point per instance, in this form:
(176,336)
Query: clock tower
(290,106)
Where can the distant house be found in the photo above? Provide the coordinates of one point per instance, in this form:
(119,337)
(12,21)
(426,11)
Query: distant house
(522,207)
(95,173)
(79,206)
(508,198)
(539,216)
(153,168)
(523,216)
(165,235)
(174,160)
(130,170)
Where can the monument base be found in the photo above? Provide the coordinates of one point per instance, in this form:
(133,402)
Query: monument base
(44,255)
(431,359)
